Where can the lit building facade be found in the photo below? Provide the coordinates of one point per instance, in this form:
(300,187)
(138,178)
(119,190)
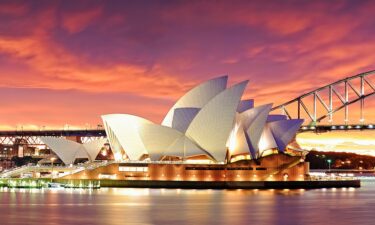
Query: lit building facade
(209,134)
(210,122)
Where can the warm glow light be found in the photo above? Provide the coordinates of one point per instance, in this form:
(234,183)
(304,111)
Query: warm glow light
(338,141)
(232,141)
(107,176)
(118,156)
(240,157)
(199,161)
(263,143)
(131,191)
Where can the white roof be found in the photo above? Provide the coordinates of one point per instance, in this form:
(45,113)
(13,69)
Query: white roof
(267,140)
(68,151)
(184,147)
(284,131)
(139,137)
(124,130)
(197,97)
(182,118)
(157,139)
(211,127)
(240,143)
(254,121)
(208,120)
(248,130)
(93,148)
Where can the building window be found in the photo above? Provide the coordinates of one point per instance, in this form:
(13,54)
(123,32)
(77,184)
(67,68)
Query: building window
(240,168)
(132,169)
(261,168)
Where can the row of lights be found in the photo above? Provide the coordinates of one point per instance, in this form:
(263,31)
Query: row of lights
(114,176)
(350,127)
(341,127)
(210,176)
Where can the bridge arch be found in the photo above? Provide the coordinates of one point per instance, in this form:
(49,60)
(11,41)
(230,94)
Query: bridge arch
(354,85)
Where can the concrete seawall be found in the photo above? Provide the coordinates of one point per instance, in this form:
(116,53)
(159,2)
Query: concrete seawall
(225,184)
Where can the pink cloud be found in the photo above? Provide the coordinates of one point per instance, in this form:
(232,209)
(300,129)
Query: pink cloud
(75,22)
(13,9)
(284,49)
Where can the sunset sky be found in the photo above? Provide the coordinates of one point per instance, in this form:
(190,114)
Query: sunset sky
(68,62)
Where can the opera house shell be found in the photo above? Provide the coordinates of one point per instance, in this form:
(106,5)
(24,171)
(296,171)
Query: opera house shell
(69,151)
(209,134)
(210,123)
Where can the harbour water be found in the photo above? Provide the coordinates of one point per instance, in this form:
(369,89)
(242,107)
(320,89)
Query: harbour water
(107,206)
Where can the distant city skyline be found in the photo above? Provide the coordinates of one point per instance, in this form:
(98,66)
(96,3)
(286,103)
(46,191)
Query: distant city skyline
(65,63)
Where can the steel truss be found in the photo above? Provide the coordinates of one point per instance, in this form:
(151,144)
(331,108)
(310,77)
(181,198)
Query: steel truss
(32,137)
(332,91)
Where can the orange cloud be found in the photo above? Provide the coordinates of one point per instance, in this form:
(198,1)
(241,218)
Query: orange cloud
(53,66)
(284,49)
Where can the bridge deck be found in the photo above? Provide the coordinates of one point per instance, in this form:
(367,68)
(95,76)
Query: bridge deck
(91,133)
(326,128)
(102,133)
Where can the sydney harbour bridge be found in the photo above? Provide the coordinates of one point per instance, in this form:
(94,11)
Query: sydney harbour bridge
(328,108)
(324,109)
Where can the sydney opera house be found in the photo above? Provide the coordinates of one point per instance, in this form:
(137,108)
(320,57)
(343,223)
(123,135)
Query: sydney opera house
(210,134)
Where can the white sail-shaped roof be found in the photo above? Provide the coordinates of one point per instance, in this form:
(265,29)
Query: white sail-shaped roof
(182,118)
(267,140)
(247,132)
(284,131)
(124,130)
(157,139)
(82,153)
(240,145)
(253,121)
(66,150)
(93,148)
(211,127)
(208,120)
(197,97)
(254,117)
(184,147)
(163,141)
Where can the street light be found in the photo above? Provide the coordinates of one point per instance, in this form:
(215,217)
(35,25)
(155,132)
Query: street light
(329,164)
(52,160)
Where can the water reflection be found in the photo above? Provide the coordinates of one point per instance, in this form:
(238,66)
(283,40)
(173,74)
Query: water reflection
(176,206)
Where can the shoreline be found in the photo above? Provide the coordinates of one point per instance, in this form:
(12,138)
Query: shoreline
(88,183)
(225,184)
